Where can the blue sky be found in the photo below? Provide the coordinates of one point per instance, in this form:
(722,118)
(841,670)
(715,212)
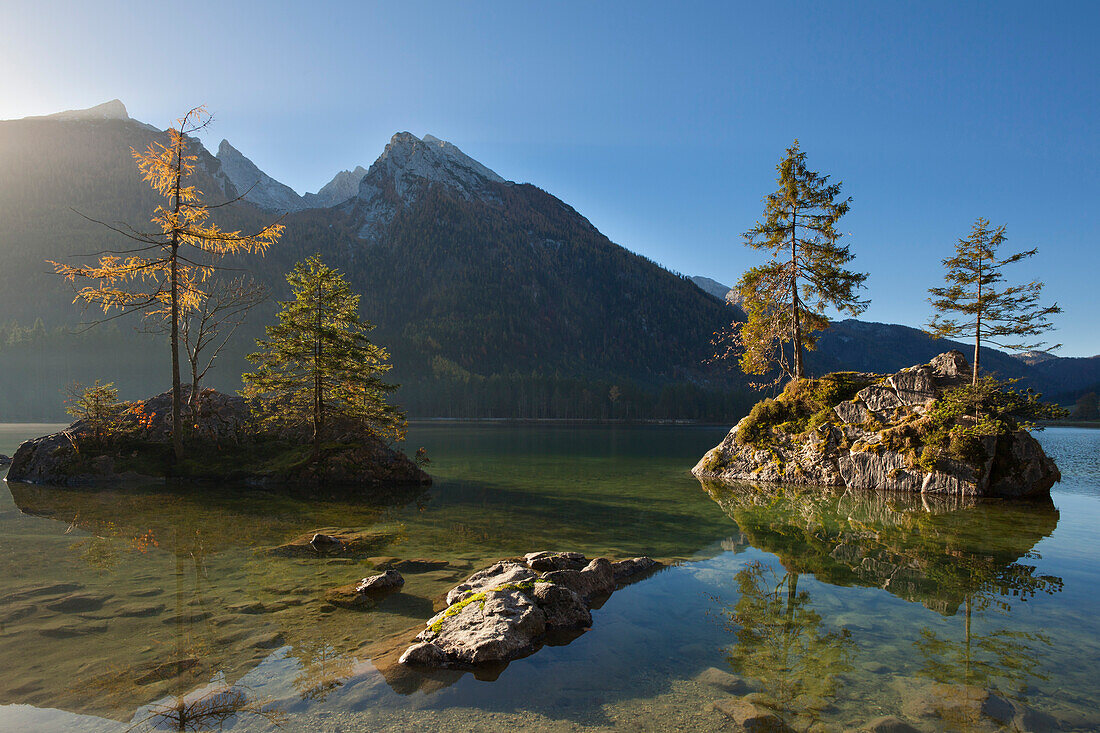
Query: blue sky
(660,122)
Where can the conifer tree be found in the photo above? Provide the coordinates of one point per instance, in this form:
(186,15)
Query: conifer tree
(1007,317)
(784,299)
(163,275)
(316,369)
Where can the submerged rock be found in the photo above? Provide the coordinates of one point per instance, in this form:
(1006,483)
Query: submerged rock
(505,611)
(870,436)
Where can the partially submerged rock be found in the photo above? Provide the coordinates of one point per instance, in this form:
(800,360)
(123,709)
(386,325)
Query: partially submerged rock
(867,434)
(334,542)
(381,583)
(506,611)
(4,460)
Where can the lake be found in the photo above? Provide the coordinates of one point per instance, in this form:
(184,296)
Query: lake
(168,610)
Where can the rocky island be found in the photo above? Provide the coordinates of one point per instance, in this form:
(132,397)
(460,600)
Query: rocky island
(223,445)
(923,429)
(509,609)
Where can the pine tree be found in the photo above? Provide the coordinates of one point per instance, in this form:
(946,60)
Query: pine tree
(988,314)
(316,370)
(163,276)
(784,299)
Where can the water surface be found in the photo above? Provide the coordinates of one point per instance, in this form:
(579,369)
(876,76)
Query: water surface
(156,609)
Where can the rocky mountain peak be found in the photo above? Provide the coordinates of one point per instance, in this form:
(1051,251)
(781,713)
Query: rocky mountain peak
(407,166)
(113,110)
(255,185)
(408,158)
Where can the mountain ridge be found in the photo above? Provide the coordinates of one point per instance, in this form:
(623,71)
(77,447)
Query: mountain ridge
(495,298)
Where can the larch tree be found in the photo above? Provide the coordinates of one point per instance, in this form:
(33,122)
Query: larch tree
(317,370)
(163,275)
(784,299)
(975,304)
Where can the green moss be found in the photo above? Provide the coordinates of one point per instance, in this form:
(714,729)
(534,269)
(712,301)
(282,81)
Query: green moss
(805,404)
(455,608)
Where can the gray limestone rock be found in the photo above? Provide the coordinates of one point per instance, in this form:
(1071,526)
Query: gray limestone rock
(494,576)
(855,452)
(596,579)
(546,561)
(564,609)
(503,612)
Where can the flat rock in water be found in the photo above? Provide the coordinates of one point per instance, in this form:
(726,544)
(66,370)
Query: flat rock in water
(334,542)
(505,611)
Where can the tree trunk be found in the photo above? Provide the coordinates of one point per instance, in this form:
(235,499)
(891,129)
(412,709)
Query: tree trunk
(318,407)
(977,329)
(177,417)
(195,392)
(795,321)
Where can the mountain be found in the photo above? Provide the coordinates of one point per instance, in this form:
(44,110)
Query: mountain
(495,298)
(256,186)
(240,176)
(715,288)
(342,187)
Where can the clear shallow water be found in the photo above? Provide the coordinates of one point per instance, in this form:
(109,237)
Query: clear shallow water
(122,607)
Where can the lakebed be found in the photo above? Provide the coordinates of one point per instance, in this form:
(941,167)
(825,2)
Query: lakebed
(119,605)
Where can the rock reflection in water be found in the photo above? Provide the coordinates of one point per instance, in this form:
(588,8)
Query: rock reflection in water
(962,558)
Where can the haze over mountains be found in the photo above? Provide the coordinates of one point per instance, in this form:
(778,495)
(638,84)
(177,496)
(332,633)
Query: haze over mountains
(494,297)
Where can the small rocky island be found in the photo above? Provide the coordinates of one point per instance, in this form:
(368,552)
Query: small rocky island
(223,445)
(913,431)
(509,609)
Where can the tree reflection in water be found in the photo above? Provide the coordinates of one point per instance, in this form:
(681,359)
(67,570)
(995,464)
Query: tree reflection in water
(323,669)
(956,556)
(781,643)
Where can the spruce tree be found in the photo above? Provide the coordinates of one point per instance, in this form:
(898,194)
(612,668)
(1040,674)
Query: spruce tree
(1007,317)
(784,299)
(316,372)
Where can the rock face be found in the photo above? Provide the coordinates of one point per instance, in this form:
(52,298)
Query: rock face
(867,443)
(505,611)
(223,432)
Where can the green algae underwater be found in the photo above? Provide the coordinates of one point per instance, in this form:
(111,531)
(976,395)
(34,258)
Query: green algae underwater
(153,609)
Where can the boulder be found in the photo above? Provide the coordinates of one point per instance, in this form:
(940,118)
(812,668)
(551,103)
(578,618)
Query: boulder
(596,579)
(492,626)
(624,569)
(563,608)
(494,576)
(505,611)
(381,583)
(874,442)
(4,460)
(547,561)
